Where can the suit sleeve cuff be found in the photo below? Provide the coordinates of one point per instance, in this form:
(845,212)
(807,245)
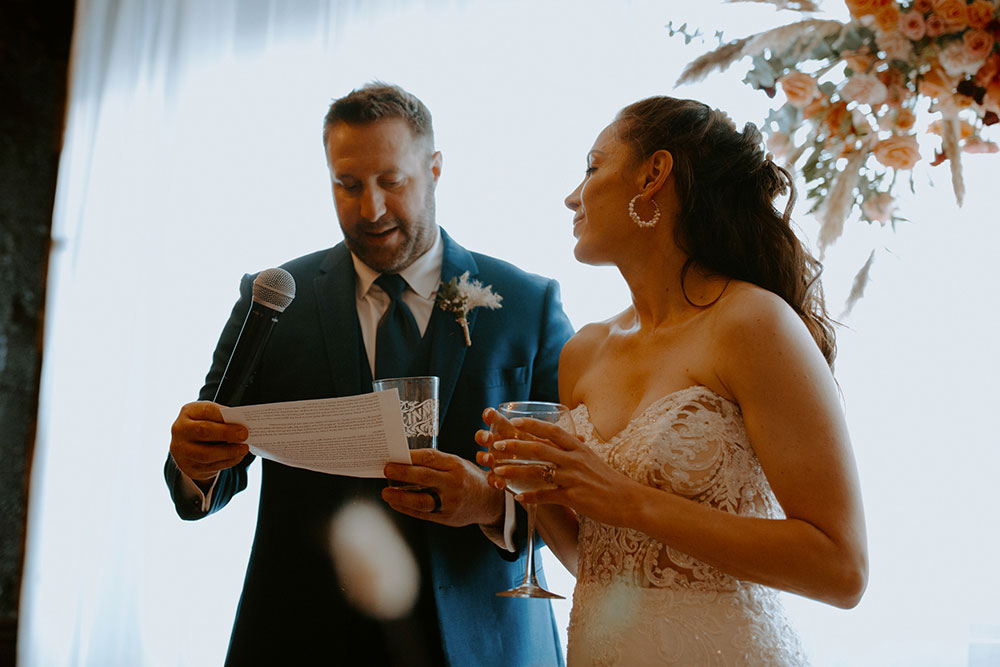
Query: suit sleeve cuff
(193,492)
(505,538)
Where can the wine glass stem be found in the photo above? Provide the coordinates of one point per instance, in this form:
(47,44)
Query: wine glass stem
(529,572)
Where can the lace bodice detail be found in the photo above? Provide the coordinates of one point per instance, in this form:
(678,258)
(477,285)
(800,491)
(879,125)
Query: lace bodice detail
(638,601)
(692,443)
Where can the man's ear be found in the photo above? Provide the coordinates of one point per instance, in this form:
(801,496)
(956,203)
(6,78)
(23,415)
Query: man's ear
(436,165)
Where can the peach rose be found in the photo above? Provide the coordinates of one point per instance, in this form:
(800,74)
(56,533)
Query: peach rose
(779,144)
(958,61)
(923,6)
(895,45)
(978,43)
(864,89)
(898,152)
(879,207)
(965,128)
(980,13)
(799,88)
(976,145)
(860,121)
(953,13)
(935,26)
(912,25)
(905,119)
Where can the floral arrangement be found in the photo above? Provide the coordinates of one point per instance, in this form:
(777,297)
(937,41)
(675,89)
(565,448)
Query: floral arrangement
(460,295)
(854,92)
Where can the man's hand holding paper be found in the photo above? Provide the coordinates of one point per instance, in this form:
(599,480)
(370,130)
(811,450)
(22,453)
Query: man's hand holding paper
(354,435)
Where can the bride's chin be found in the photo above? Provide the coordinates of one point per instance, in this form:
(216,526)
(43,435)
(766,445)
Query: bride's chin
(585,256)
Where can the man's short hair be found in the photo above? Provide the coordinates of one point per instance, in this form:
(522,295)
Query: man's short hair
(380,101)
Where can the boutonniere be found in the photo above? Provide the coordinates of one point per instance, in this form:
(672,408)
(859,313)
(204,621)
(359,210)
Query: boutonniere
(460,295)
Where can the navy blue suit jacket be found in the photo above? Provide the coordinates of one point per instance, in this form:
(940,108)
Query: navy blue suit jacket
(292,610)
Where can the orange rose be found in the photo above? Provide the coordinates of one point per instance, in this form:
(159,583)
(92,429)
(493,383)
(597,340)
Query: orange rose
(861,7)
(887,18)
(953,13)
(905,119)
(965,128)
(980,13)
(923,6)
(898,152)
(992,99)
(978,43)
(837,115)
(989,70)
(799,88)
(936,83)
(814,108)
(891,77)
(897,95)
(859,61)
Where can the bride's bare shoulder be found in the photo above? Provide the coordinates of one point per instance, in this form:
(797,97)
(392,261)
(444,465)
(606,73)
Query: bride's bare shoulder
(750,314)
(580,351)
(591,336)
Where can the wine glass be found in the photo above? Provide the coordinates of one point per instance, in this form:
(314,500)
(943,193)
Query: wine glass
(544,411)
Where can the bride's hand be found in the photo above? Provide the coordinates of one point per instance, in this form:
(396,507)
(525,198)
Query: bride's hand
(583,481)
(504,430)
(501,429)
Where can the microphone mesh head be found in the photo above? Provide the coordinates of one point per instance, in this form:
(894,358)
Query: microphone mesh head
(274,288)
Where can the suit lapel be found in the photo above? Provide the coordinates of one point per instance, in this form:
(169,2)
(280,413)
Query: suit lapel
(338,316)
(448,347)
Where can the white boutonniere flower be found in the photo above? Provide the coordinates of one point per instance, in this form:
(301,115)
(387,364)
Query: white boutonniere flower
(460,295)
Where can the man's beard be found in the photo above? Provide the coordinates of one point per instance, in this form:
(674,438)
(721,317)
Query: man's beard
(417,238)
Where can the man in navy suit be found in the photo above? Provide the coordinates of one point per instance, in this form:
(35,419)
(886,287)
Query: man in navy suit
(293,610)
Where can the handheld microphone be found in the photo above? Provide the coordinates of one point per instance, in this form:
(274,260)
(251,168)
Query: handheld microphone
(273,290)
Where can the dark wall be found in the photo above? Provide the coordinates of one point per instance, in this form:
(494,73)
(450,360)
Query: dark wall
(34,52)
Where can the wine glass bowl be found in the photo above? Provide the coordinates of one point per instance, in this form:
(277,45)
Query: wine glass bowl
(550,412)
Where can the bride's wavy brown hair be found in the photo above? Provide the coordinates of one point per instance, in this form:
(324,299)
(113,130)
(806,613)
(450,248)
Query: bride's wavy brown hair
(728,222)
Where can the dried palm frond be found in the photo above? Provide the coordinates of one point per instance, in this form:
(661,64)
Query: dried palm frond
(805,34)
(840,201)
(949,138)
(858,286)
(797,5)
(719,59)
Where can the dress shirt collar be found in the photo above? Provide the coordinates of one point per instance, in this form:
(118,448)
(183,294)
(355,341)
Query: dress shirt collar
(422,276)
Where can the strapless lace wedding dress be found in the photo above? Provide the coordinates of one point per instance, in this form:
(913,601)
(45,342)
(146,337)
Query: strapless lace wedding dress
(639,602)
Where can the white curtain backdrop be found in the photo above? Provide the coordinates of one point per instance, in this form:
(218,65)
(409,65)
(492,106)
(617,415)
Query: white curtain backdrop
(193,154)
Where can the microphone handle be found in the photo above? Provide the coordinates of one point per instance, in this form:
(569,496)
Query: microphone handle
(243,362)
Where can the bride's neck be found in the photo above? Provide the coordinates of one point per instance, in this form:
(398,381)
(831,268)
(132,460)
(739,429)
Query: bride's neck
(659,297)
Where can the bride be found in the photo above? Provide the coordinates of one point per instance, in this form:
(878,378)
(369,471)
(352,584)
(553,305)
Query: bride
(713,465)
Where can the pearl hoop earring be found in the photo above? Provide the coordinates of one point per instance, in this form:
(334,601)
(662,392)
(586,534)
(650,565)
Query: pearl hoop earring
(639,221)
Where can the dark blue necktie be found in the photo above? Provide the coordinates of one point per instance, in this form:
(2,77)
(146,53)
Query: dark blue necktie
(397,336)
